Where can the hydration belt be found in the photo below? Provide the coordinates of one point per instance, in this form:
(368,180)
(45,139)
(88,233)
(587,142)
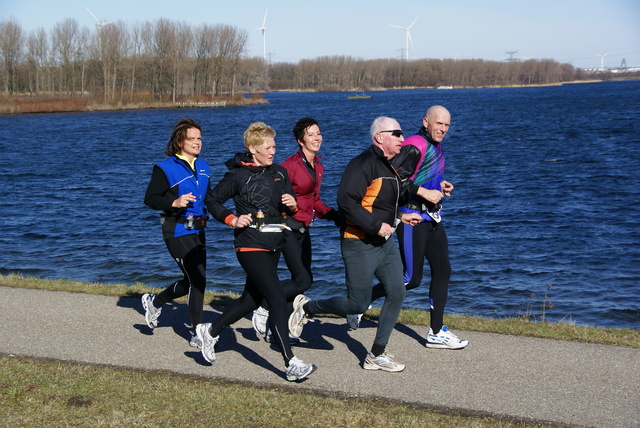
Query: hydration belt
(191,222)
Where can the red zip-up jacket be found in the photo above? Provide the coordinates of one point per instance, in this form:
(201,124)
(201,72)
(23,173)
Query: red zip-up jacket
(307,191)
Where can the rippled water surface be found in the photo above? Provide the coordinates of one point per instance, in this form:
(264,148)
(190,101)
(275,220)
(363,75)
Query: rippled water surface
(547,194)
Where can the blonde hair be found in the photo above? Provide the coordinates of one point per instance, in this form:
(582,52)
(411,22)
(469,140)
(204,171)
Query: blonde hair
(257,133)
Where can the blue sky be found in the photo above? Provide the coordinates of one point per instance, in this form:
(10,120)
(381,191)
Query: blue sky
(573,31)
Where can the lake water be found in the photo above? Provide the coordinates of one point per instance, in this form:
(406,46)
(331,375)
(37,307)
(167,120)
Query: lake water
(547,193)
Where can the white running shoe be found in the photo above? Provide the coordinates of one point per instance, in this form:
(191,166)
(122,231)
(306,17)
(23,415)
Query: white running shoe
(208,341)
(383,362)
(298,318)
(151,313)
(298,370)
(444,340)
(195,342)
(259,320)
(354,321)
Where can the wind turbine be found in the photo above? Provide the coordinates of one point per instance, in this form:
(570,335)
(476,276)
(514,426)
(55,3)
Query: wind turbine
(407,36)
(98,23)
(602,60)
(264,38)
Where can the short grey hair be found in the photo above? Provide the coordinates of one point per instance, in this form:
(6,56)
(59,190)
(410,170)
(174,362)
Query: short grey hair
(379,124)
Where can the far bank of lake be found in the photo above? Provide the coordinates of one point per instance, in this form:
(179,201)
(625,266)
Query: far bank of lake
(26,104)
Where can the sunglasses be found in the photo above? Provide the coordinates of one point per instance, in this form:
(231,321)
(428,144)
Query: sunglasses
(394,132)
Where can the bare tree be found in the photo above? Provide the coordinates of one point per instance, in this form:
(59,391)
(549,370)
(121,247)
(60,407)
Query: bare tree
(205,43)
(136,50)
(231,44)
(64,43)
(183,52)
(11,48)
(237,49)
(37,54)
(82,55)
(162,46)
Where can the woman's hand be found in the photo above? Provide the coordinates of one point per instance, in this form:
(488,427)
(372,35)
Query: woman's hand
(184,200)
(243,221)
(289,201)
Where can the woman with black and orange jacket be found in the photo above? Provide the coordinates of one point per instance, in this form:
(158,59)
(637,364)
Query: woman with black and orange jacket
(256,185)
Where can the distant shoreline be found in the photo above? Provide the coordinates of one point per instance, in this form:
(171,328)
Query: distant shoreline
(32,105)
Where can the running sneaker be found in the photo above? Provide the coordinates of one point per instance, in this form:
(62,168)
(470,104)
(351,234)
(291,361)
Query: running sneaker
(298,318)
(195,342)
(444,340)
(268,337)
(208,341)
(298,370)
(259,320)
(383,362)
(151,313)
(354,321)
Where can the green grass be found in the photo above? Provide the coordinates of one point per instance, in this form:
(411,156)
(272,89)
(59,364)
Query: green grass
(38,392)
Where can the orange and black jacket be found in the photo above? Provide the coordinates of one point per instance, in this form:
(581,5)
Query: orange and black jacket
(369,194)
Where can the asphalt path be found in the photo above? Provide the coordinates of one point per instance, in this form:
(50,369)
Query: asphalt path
(577,384)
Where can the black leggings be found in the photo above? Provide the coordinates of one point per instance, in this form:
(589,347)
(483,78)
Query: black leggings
(189,252)
(296,250)
(425,240)
(262,282)
(297,255)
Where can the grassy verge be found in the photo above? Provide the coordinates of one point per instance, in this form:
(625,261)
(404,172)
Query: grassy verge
(38,392)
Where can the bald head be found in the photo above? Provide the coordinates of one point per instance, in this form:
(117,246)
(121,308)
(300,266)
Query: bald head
(437,121)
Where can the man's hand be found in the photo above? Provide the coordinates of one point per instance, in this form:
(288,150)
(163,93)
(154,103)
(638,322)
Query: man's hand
(446,187)
(432,196)
(386,230)
(411,218)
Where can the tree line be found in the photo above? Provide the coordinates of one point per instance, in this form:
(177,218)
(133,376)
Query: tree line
(170,61)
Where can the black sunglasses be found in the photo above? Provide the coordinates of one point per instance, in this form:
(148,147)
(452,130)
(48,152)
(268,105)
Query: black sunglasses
(394,132)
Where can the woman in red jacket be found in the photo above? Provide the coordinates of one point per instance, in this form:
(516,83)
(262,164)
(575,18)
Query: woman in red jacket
(305,172)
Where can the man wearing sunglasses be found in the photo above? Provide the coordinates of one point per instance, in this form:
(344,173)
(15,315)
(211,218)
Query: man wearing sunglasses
(421,160)
(368,199)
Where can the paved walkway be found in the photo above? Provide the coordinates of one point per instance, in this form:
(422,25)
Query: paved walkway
(536,379)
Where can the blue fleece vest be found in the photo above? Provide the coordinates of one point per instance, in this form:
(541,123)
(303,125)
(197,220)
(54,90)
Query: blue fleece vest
(181,176)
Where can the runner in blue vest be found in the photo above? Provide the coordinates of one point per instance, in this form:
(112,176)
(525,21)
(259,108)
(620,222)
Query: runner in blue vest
(178,188)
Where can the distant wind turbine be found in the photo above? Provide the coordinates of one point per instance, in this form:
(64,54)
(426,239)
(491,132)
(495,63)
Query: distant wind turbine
(264,37)
(602,60)
(407,36)
(98,23)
